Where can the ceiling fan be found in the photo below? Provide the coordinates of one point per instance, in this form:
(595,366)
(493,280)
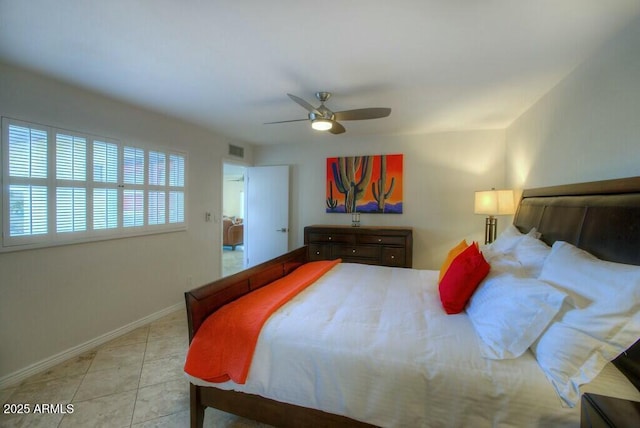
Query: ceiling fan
(323,119)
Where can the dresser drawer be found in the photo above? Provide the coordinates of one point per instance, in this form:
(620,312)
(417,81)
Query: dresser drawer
(358,251)
(394,256)
(331,238)
(319,252)
(382,240)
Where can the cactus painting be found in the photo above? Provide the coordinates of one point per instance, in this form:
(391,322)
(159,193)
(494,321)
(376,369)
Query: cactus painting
(364,184)
(331,203)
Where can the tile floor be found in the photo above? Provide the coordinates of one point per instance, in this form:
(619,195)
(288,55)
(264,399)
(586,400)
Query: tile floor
(232,260)
(133,381)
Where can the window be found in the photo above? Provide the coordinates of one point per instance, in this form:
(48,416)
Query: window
(105,185)
(71,183)
(176,189)
(27,186)
(133,194)
(66,186)
(157,193)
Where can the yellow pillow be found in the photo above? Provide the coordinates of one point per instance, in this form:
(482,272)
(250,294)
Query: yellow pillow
(453,253)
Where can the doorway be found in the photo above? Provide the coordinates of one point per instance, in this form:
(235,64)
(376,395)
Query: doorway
(233,218)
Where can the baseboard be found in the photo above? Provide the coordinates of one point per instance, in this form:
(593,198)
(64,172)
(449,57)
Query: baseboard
(43,365)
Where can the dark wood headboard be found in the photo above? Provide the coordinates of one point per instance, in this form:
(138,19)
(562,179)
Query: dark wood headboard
(601,217)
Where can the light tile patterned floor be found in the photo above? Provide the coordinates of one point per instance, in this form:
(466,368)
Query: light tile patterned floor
(232,260)
(133,381)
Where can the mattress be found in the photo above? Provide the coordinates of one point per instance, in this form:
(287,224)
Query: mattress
(373,343)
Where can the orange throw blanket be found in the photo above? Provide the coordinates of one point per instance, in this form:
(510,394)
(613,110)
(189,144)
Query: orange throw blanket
(223,346)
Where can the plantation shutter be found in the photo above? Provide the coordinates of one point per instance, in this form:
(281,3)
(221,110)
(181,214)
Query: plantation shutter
(105,191)
(133,193)
(176,186)
(27,181)
(71,183)
(157,182)
(62,186)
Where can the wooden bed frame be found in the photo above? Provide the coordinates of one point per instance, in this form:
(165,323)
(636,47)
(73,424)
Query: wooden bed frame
(601,217)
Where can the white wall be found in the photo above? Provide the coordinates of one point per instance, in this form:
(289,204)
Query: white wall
(55,299)
(441,173)
(587,128)
(233,191)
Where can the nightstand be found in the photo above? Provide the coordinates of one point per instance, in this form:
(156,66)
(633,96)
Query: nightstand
(600,411)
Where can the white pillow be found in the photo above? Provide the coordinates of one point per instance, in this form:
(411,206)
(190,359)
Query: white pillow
(534,233)
(603,322)
(503,263)
(509,313)
(509,237)
(524,259)
(531,253)
(506,240)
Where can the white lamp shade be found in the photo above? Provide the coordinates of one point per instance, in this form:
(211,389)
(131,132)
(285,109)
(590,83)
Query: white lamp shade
(494,202)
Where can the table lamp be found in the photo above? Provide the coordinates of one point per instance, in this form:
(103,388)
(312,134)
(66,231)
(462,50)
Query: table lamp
(492,203)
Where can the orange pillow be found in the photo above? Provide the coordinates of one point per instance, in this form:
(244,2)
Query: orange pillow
(462,278)
(453,253)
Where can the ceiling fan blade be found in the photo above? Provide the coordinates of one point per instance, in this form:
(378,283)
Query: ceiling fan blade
(284,121)
(303,103)
(337,128)
(363,113)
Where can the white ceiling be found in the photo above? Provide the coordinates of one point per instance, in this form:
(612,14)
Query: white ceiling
(441,65)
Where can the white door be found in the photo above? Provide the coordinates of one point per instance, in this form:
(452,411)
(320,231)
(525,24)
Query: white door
(267,225)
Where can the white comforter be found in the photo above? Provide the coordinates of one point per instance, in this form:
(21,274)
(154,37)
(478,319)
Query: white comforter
(374,344)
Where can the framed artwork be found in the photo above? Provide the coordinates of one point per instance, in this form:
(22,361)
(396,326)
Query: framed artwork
(364,184)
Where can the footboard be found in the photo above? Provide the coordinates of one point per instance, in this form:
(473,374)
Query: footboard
(203,301)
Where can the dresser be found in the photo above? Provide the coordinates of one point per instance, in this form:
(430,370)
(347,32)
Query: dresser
(385,246)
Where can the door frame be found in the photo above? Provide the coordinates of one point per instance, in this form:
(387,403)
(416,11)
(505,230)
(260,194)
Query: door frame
(244,165)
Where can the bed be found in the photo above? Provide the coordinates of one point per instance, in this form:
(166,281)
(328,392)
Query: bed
(602,218)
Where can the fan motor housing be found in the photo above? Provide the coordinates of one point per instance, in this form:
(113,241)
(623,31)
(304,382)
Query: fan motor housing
(325,114)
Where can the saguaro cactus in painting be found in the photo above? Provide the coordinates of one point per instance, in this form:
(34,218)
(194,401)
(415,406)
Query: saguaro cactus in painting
(378,187)
(352,176)
(331,203)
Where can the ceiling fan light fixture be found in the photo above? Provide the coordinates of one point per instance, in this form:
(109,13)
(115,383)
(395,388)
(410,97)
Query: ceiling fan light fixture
(321,124)
(323,119)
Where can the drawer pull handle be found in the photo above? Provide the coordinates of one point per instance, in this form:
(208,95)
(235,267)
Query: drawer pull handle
(318,253)
(393,257)
(379,239)
(329,238)
(353,251)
